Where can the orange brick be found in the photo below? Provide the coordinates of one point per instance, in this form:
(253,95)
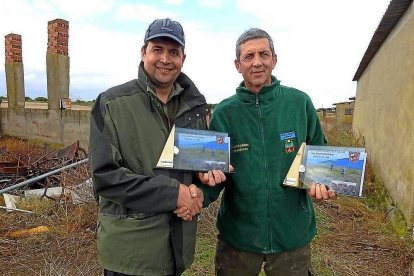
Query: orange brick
(58,37)
(13,48)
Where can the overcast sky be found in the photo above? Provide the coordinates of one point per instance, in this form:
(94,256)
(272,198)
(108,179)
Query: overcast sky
(319,43)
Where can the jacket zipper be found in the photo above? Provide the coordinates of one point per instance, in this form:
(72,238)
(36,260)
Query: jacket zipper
(262,134)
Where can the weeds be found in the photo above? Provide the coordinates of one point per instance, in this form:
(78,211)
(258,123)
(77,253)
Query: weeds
(354,235)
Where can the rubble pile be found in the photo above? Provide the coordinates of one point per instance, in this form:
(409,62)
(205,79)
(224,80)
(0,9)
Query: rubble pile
(54,174)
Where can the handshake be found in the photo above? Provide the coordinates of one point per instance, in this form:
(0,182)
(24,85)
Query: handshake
(190,198)
(190,201)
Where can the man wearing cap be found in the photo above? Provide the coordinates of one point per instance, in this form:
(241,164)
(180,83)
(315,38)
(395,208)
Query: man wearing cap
(140,226)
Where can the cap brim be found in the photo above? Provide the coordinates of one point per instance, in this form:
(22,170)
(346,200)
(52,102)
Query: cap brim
(166,35)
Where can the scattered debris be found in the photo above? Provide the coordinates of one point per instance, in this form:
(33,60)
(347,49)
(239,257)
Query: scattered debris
(27,232)
(57,175)
(16,168)
(15,209)
(76,194)
(10,201)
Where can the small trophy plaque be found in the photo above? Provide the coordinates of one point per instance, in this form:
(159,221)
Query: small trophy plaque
(196,150)
(340,168)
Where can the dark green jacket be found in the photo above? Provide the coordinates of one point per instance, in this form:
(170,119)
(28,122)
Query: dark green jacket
(257,213)
(138,232)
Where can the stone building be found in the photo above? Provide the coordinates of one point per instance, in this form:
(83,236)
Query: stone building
(384,105)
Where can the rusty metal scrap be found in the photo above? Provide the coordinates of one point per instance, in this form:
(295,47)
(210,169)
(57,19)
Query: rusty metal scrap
(15,168)
(12,167)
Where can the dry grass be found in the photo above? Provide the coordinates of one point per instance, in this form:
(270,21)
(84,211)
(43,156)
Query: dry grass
(67,247)
(355,240)
(354,237)
(206,242)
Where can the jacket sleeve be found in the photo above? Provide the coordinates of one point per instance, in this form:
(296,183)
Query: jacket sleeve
(111,177)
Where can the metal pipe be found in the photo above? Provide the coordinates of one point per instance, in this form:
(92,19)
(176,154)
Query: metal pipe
(16,209)
(34,179)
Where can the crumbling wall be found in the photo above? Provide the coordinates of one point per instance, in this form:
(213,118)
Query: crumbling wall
(54,126)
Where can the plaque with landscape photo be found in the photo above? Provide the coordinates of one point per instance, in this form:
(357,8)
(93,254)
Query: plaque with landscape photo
(342,169)
(196,150)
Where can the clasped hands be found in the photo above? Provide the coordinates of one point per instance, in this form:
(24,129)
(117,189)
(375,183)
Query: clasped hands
(190,198)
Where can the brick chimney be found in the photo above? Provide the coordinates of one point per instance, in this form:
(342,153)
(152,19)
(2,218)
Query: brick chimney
(13,48)
(57,62)
(14,71)
(58,37)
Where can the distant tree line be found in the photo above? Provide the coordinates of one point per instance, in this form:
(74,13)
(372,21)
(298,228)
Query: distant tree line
(44,99)
(78,101)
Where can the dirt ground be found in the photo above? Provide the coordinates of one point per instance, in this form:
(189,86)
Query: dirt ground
(352,243)
(352,240)
(354,237)
(355,240)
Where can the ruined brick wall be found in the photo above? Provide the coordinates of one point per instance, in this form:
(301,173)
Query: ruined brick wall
(53,126)
(13,48)
(58,37)
(57,62)
(14,71)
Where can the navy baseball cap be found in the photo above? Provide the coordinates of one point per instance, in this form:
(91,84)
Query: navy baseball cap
(165,28)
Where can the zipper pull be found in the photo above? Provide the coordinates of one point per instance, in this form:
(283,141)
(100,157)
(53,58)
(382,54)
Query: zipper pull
(257,100)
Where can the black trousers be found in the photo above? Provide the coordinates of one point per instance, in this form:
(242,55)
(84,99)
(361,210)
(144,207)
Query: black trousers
(111,273)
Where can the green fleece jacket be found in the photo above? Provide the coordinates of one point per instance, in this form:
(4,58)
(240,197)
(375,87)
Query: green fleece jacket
(257,213)
(138,233)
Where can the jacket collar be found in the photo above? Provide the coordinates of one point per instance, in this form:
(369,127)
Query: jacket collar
(265,96)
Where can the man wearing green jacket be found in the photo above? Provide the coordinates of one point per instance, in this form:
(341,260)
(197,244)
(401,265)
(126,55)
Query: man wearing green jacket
(138,231)
(260,221)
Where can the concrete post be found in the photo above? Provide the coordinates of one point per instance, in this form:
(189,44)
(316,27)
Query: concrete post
(14,71)
(57,62)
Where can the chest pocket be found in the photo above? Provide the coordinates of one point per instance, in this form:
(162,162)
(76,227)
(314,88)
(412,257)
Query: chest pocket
(194,118)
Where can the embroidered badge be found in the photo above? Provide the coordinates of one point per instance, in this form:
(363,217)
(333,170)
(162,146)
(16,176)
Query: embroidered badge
(287,135)
(289,146)
(288,139)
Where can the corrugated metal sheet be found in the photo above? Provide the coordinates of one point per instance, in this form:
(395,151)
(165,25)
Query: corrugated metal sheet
(395,11)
